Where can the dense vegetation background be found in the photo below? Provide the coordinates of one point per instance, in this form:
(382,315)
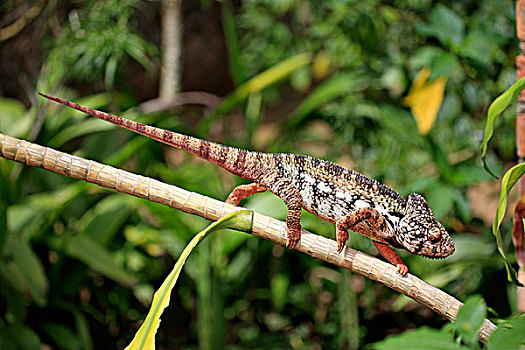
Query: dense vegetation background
(80,264)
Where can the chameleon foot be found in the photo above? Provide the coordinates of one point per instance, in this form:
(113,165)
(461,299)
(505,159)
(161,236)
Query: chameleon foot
(391,256)
(294,235)
(243,191)
(402,269)
(342,237)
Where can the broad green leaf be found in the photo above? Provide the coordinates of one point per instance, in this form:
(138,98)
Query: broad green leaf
(423,338)
(15,120)
(496,108)
(479,46)
(441,198)
(450,34)
(337,86)
(98,258)
(23,270)
(81,324)
(63,336)
(508,181)
(18,337)
(145,336)
(102,222)
(509,335)
(470,318)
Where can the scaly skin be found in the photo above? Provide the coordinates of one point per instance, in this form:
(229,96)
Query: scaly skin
(344,197)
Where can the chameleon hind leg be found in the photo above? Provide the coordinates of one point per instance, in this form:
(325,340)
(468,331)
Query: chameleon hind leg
(291,197)
(288,193)
(244,191)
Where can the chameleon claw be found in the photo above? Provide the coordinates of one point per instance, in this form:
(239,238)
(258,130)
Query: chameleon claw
(293,238)
(233,200)
(342,237)
(402,269)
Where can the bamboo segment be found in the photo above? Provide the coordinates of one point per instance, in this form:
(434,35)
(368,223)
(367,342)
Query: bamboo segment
(263,226)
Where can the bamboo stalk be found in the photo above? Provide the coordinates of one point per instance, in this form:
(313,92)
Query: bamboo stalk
(263,226)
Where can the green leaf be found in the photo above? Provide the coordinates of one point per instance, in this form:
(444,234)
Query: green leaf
(496,108)
(22,269)
(111,72)
(441,198)
(63,336)
(16,337)
(86,127)
(145,336)
(337,86)
(423,338)
(508,181)
(279,290)
(470,318)
(265,79)
(14,120)
(98,258)
(3,227)
(509,335)
(232,43)
(479,47)
(258,83)
(104,220)
(59,115)
(450,34)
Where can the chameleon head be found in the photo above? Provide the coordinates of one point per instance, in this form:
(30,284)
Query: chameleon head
(420,233)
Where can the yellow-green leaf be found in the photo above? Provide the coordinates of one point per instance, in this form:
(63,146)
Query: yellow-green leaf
(496,108)
(508,181)
(424,100)
(145,336)
(258,83)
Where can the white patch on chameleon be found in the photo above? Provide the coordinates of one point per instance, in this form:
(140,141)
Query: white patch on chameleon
(323,187)
(358,204)
(307,178)
(343,195)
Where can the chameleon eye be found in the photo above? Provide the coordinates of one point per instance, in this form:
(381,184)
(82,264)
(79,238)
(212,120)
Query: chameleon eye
(435,235)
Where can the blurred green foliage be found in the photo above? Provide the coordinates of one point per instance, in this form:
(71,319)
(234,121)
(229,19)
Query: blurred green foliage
(80,264)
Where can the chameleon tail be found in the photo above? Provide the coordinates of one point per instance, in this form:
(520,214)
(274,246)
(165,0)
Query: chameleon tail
(242,163)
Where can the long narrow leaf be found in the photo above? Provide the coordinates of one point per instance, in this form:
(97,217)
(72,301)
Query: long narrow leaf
(97,257)
(258,83)
(336,86)
(496,108)
(145,336)
(232,43)
(508,181)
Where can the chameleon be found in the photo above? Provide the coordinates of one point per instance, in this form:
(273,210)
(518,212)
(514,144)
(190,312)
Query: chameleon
(338,195)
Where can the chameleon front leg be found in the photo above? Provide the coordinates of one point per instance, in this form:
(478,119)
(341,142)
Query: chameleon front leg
(348,221)
(244,191)
(376,232)
(392,256)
